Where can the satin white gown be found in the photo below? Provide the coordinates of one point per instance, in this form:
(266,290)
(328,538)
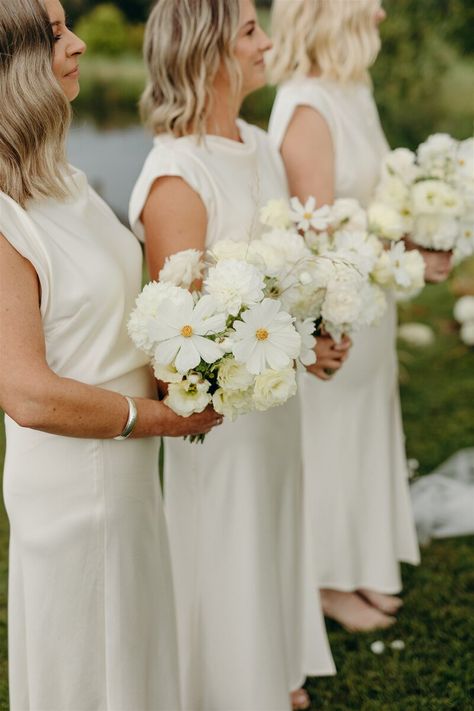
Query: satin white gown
(355,475)
(91,605)
(244,588)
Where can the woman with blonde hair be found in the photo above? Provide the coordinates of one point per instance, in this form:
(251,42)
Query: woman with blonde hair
(91,608)
(233,504)
(326,125)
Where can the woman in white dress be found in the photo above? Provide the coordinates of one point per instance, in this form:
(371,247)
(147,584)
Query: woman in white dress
(91,608)
(326,125)
(233,504)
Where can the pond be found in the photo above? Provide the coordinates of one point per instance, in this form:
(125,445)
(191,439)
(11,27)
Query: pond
(111,159)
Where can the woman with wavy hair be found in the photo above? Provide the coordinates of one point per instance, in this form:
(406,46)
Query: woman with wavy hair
(91,608)
(233,504)
(326,125)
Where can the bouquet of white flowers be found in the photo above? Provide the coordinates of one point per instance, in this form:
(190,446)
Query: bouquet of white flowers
(428,195)
(226,345)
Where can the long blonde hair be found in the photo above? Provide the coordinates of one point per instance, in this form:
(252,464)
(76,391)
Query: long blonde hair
(338,39)
(186,41)
(35,112)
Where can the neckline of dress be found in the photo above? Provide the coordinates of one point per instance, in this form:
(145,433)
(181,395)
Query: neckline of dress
(245,146)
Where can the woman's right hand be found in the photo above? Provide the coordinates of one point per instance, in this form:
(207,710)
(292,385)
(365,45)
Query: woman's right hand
(174,425)
(330,356)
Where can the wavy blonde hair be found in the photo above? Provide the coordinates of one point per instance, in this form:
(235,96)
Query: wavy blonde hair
(186,42)
(338,39)
(35,112)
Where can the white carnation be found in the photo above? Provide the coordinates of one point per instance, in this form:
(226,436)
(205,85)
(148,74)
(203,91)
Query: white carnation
(225,249)
(436,232)
(182,268)
(382,271)
(394,191)
(435,197)
(373,305)
(188,396)
(357,248)
(289,244)
(464,309)
(275,214)
(234,284)
(402,163)
(268,259)
(341,306)
(274,387)
(437,154)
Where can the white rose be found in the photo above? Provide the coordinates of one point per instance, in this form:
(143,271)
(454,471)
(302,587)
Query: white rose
(274,387)
(464,309)
(232,403)
(467,333)
(436,232)
(182,268)
(275,214)
(385,221)
(187,397)
(233,375)
(234,284)
(416,334)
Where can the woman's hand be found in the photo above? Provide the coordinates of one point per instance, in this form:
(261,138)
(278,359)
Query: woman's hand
(438,265)
(330,356)
(174,425)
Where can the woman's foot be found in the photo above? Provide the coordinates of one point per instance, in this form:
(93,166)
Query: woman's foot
(300,699)
(389,604)
(353,612)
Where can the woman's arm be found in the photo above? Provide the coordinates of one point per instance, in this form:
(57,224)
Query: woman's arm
(174,218)
(308,155)
(35,397)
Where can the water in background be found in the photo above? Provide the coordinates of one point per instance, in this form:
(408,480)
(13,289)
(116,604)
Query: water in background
(111,159)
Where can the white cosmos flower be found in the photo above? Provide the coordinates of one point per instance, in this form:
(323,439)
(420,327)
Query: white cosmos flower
(436,231)
(275,214)
(189,396)
(464,309)
(274,387)
(265,338)
(408,270)
(308,341)
(180,331)
(182,268)
(148,305)
(234,284)
(306,216)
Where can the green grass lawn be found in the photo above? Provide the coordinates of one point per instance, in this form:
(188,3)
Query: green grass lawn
(435,670)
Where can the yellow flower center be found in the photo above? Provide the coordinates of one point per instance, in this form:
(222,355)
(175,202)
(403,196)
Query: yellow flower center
(261,334)
(308,215)
(461,161)
(187,331)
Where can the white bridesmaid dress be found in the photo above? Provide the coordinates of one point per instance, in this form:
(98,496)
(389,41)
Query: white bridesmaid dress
(91,606)
(355,475)
(244,590)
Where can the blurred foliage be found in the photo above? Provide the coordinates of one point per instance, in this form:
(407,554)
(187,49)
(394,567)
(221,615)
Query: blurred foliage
(106,31)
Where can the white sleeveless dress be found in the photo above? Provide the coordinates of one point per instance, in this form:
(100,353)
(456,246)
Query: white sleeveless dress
(243,588)
(356,481)
(91,606)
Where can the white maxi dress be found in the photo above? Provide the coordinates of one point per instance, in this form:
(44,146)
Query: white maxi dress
(356,481)
(234,504)
(91,605)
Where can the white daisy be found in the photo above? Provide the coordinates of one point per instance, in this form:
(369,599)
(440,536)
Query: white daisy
(307,216)
(265,338)
(181,331)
